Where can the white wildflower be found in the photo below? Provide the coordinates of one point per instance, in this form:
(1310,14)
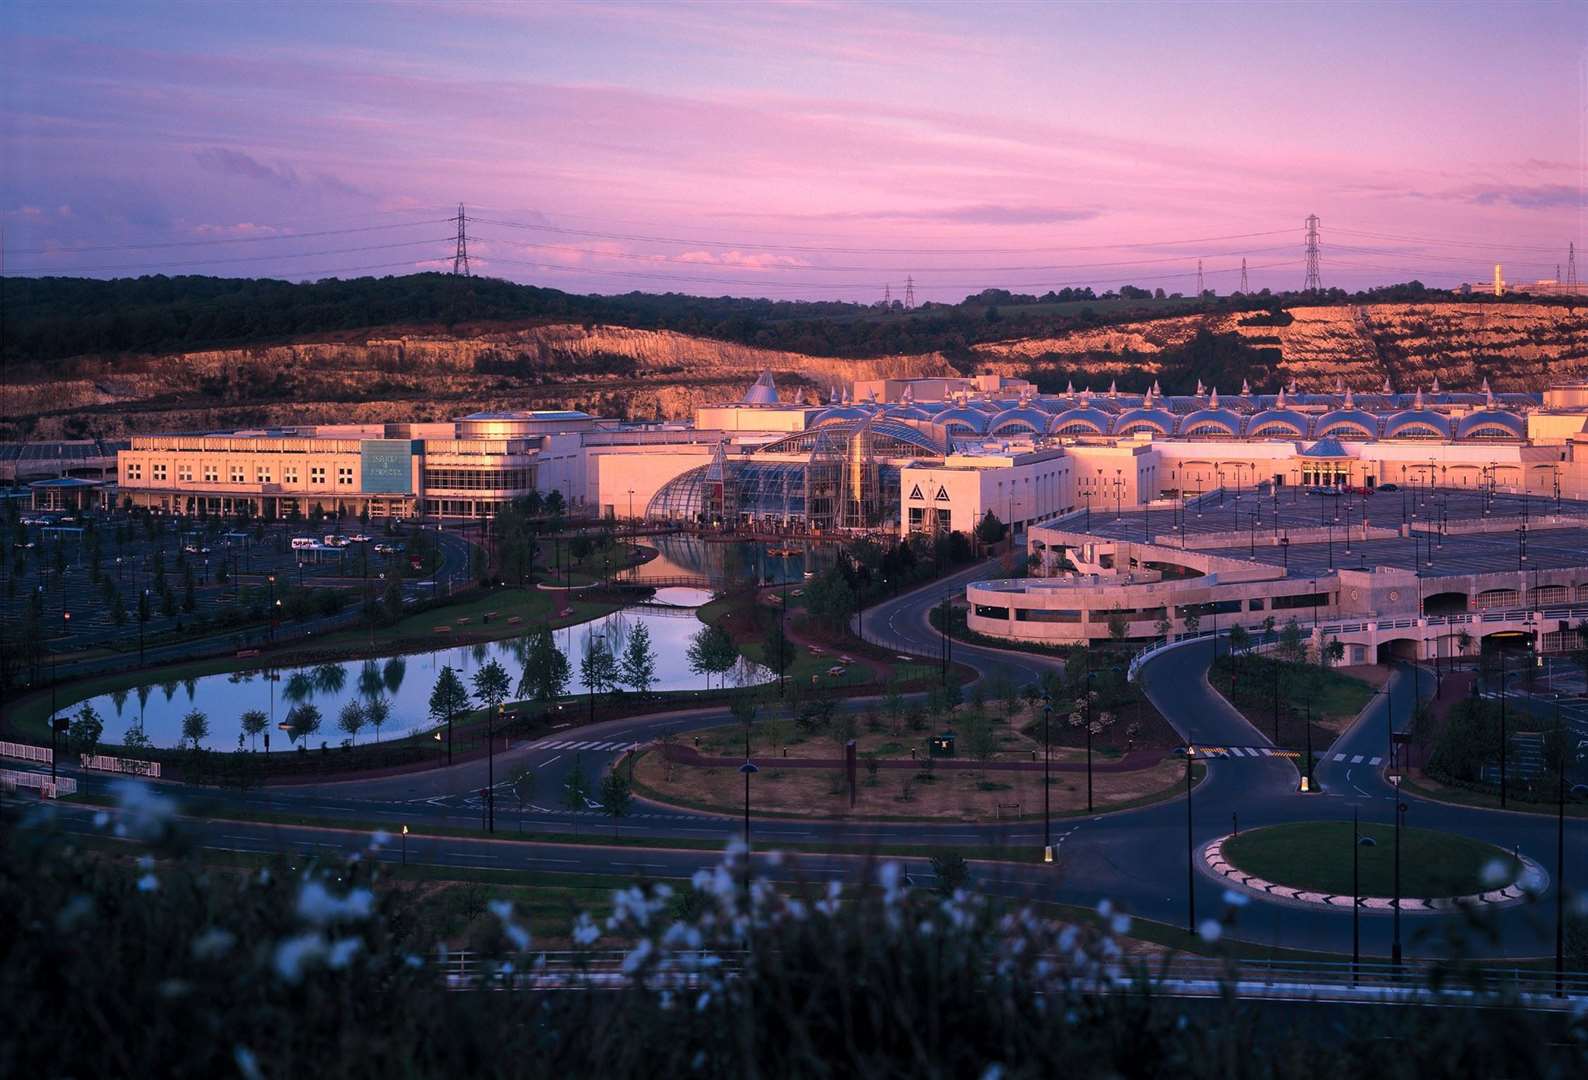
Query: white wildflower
(517,935)
(145,862)
(342,952)
(264,876)
(148,883)
(1235,899)
(1210,931)
(1105,907)
(502,909)
(585,932)
(1067,938)
(1120,924)
(379,839)
(703,1001)
(101,819)
(213,943)
(247,1063)
(317,905)
(1496,872)
(681,935)
(635,959)
(295,953)
(145,813)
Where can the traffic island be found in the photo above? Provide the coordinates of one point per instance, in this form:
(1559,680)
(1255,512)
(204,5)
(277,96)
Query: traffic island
(1325,863)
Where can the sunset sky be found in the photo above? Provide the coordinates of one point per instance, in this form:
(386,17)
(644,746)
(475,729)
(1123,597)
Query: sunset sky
(815,149)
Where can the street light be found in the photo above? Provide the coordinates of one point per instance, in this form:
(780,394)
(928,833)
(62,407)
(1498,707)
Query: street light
(1190,848)
(1358,842)
(1047,819)
(405,846)
(1400,815)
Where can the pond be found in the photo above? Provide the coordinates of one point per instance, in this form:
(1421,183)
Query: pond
(720,562)
(404,681)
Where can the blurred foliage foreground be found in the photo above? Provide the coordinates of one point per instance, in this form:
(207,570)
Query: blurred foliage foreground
(149,963)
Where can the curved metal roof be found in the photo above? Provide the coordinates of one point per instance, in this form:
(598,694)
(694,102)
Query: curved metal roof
(1227,420)
(839,414)
(1160,420)
(1346,423)
(974,419)
(1280,422)
(1417,423)
(1081,417)
(1491,423)
(1025,419)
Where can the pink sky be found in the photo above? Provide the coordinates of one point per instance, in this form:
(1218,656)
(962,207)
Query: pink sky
(811,149)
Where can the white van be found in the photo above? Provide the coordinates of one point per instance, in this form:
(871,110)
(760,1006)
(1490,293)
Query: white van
(303,543)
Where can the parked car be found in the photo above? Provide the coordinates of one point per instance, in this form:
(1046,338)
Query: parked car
(358,538)
(1389,487)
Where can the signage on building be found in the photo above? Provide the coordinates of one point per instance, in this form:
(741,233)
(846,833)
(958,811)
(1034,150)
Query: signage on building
(387,466)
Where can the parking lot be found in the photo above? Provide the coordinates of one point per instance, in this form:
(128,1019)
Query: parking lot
(216,575)
(1262,519)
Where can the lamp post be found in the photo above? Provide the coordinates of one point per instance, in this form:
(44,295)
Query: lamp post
(1358,842)
(272,579)
(598,641)
(1190,848)
(1560,854)
(490,768)
(1400,815)
(1047,812)
(1088,731)
(1502,730)
(405,846)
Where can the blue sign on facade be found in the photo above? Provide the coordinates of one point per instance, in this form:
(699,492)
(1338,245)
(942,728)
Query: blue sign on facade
(387,465)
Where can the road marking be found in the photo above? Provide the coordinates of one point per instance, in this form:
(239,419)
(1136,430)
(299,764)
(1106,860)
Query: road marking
(551,761)
(1339,757)
(1375,761)
(1356,759)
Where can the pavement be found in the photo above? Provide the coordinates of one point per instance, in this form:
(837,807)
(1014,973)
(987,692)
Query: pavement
(1143,860)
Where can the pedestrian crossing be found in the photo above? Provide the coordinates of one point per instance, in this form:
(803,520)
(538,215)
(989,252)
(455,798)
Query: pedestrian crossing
(1358,759)
(573,744)
(1243,752)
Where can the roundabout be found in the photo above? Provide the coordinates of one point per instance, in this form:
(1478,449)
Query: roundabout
(1328,863)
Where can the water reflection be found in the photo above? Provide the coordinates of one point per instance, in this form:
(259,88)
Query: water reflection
(724,563)
(329,687)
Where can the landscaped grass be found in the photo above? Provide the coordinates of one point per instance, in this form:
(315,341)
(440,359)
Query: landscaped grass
(1316,855)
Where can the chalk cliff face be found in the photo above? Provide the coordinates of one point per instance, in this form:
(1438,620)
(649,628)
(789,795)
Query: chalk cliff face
(607,370)
(624,372)
(1514,346)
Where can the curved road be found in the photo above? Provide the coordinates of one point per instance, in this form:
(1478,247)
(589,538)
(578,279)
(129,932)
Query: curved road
(1137,858)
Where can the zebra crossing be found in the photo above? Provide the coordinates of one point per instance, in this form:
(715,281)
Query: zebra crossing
(1244,752)
(1357,759)
(572,744)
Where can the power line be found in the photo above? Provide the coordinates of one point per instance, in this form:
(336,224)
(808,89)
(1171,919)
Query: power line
(231,240)
(1399,238)
(274,256)
(643,239)
(850,268)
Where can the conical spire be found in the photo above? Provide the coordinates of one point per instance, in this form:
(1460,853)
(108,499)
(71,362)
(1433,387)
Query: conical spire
(1349,403)
(1279,402)
(1246,388)
(1213,399)
(1435,387)
(1417,399)
(1069,388)
(1200,388)
(1339,385)
(1113,388)
(1388,389)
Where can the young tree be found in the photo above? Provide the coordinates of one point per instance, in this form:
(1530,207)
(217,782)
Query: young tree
(616,797)
(1118,625)
(1239,638)
(598,668)
(1334,652)
(492,685)
(743,711)
(448,698)
(195,727)
(1192,618)
(352,719)
(980,739)
(253,723)
(1293,642)
(637,669)
(85,730)
(711,652)
(377,711)
(302,721)
(1164,626)
(546,669)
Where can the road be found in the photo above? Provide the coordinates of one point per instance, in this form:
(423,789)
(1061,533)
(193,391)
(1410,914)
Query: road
(1137,859)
